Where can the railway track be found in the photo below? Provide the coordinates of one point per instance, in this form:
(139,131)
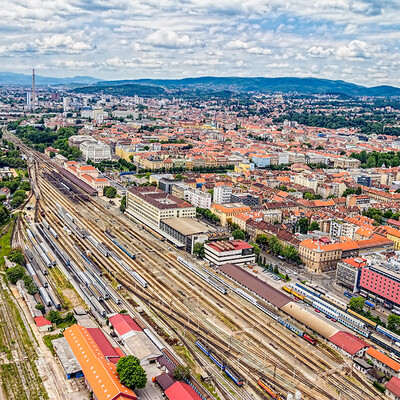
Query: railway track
(312,364)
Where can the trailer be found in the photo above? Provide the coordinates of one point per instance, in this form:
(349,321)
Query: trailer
(53,233)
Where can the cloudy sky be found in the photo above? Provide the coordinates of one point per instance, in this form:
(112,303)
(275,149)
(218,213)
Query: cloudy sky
(357,41)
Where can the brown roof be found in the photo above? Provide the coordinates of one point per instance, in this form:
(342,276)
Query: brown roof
(263,289)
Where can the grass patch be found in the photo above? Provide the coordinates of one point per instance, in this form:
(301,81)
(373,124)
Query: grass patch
(48,341)
(209,387)
(5,242)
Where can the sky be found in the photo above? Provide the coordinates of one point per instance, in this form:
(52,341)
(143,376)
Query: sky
(357,41)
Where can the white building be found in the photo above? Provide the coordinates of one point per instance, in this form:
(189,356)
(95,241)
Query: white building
(235,252)
(198,198)
(338,229)
(222,194)
(150,205)
(95,151)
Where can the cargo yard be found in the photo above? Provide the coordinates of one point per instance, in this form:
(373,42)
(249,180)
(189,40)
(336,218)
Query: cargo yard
(260,339)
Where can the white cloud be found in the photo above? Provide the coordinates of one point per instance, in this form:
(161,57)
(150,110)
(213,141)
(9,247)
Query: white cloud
(61,44)
(355,49)
(170,39)
(318,51)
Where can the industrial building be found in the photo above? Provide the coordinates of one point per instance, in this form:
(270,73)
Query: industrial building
(134,339)
(67,358)
(100,373)
(189,231)
(234,252)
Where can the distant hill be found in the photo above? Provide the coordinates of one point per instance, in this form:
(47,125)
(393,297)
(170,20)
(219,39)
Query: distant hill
(11,78)
(263,85)
(207,85)
(131,89)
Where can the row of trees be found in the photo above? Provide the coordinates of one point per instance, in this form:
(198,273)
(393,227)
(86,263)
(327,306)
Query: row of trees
(16,273)
(206,213)
(276,247)
(375,159)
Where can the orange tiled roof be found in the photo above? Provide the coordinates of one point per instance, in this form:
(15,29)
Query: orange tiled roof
(99,372)
(384,359)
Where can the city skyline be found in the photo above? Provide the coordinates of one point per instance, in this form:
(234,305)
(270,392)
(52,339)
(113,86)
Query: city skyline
(356,41)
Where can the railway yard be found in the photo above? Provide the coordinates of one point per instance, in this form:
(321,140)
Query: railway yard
(81,253)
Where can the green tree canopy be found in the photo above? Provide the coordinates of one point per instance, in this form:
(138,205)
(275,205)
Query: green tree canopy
(16,256)
(302,224)
(357,304)
(262,239)
(14,274)
(122,207)
(25,185)
(110,192)
(314,226)
(394,322)
(238,234)
(181,372)
(198,249)
(131,373)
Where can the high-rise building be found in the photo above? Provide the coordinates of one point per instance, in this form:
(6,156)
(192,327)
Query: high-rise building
(222,194)
(28,98)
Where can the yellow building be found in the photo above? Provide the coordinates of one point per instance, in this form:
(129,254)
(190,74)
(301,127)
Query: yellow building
(393,235)
(243,166)
(124,152)
(227,211)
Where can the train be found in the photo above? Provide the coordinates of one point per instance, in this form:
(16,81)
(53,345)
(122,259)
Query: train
(370,305)
(389,334)
(213,280)
(220,362)
(274,395)
(122,248)
(246,296)
(349,294)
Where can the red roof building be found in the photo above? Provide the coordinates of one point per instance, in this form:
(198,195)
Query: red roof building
(43,324)
(181,391)
(100,374)
(123,324)
(235,252)
(349,344)
(393,388)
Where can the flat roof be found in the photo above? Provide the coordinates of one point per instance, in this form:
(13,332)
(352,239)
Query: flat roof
(231,245)
(66,356)
(263,289)
(187,226)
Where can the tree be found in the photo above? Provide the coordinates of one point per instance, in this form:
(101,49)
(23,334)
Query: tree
(54,317)
(313,226)
(262,239)
(20,193)
(275,245)
(14,274)
(394,322)
(40,307)
(25,186)
(122,207)
(276,270)
(198,249)
(302,223)
(30,285)
(130,372)
(256,248)
(357,304)
(110,192)
(16,256)
(238,234)
(16,201)
(181,372)
(388,214)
